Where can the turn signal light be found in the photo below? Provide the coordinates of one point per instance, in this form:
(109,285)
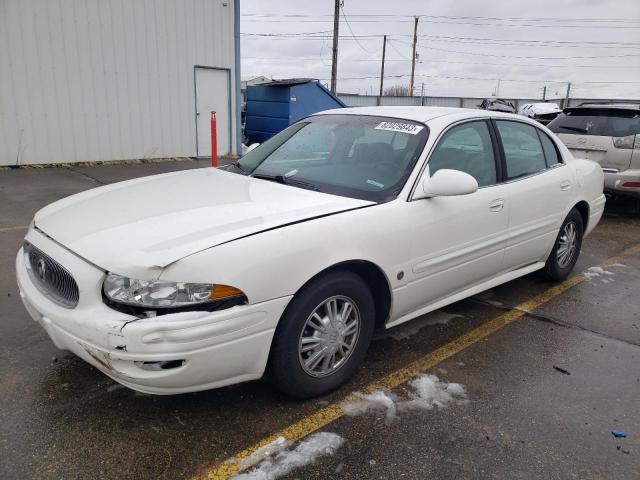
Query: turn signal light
(224,291)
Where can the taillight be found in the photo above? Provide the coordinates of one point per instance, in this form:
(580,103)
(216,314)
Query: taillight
(624,142)
(631,185)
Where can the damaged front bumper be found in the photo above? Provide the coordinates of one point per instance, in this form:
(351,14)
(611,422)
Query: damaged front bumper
(161,355)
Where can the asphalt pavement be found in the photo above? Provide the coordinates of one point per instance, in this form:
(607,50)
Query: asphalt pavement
(548,374)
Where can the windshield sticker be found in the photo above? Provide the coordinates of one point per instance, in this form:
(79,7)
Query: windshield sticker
(411,128)
(375,184)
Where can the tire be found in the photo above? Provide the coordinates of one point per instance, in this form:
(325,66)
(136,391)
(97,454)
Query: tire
(298,330)
(557,267)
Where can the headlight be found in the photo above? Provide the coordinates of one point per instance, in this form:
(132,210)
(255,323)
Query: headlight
(161,294)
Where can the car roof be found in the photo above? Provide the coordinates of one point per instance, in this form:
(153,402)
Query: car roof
(417,114)
(605,105)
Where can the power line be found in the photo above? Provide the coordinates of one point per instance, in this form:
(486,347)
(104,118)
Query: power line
(447,77)
(528,56)
(352,34)
(455,39)
(397,51)
(443,22)
(455,17)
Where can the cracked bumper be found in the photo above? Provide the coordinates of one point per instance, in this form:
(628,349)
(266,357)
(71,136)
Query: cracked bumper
(222,348)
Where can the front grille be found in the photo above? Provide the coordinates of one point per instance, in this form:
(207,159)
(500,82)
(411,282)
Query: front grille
(51,278)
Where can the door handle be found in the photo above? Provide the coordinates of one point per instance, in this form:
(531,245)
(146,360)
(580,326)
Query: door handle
(497,205)
(565,185)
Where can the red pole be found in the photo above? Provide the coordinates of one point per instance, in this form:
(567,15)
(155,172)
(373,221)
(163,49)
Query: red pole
(214,141)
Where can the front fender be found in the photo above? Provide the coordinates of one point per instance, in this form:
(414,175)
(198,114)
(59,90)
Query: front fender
(276,263)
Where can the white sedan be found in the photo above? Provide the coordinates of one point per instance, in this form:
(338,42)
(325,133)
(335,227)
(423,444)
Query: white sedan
(287,260)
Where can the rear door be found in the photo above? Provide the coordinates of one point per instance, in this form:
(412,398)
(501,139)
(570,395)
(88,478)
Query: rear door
(540,187)
(598,134)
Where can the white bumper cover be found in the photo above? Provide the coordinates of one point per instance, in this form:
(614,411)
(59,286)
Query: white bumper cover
(596,209)
(216,349)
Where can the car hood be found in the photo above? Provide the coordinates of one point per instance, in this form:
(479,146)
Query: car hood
(151,222)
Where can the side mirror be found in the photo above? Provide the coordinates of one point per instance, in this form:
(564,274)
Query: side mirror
(446,183)
(246,149)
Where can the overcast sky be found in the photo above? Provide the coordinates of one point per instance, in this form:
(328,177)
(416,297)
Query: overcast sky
(464,46)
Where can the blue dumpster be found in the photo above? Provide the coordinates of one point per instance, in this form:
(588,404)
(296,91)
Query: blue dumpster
(272,107)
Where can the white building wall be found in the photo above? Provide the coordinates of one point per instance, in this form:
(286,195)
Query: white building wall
(89,80)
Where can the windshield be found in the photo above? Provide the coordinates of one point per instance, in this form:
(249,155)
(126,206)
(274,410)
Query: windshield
(356,156)
(599,122)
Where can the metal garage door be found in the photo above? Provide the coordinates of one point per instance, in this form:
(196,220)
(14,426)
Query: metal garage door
(212,94)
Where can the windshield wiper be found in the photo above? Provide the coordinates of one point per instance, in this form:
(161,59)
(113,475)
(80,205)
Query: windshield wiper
(286,181)
(573,129)
(272,178)
(237,166)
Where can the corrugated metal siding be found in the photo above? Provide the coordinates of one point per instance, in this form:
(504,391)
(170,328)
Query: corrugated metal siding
(87,80)
(359,100)
(471,102)
(442,102)
(399,101)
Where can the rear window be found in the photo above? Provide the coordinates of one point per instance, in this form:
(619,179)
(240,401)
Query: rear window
(606,123)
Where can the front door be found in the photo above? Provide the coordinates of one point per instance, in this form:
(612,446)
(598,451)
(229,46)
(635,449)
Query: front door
(457,242)
(212,94)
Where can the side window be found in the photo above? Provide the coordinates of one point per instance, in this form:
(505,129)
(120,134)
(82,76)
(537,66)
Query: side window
(522,149)
(467,148)
(550,152)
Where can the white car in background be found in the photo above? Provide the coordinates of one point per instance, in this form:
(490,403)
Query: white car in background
(287,260)
(607,133)
(543,112)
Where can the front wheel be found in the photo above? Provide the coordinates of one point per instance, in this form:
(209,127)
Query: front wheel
(566,250)
(323,336)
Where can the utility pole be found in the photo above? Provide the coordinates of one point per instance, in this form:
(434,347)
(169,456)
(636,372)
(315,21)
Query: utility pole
(566,100)
(334,61)
(384,50)
(413,57)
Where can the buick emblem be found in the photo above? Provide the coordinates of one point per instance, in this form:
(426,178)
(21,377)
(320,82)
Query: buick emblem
(41,268)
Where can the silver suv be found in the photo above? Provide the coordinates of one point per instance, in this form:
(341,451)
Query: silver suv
(607,133)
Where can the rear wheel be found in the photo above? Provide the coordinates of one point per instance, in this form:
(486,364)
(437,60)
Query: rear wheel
(323,336)
(566,250)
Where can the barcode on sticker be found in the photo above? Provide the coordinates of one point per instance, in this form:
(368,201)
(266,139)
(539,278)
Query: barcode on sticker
(411,128)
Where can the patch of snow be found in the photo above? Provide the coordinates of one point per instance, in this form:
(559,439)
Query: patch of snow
(590,275)
(595,272)
(600,271)
(377,401)
(430,391)
(410,328)
(620,265)
(307,452)
(427,392)
(263,452)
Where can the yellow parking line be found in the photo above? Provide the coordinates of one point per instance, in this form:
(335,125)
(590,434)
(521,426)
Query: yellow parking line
(333,411)
(11,229)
